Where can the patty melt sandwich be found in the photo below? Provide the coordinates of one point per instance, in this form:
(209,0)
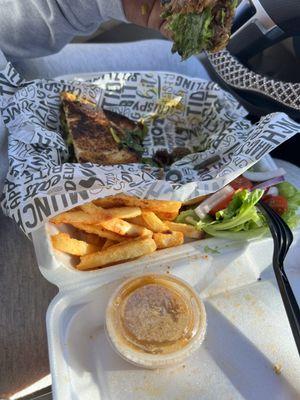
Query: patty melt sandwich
(100,136)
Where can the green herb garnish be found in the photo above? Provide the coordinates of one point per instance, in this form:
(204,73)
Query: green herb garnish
(133,140)
(210,250)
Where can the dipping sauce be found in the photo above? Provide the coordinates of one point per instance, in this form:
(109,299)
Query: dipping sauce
(155,320)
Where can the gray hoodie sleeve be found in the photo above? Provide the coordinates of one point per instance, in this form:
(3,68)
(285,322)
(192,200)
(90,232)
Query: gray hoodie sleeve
(35,28)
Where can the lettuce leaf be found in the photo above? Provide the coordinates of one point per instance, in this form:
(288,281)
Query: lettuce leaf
(192,32)
(240,211)
(292,194)
(241,235)
(292,218)
(240,220)
(287,190)
(187,217)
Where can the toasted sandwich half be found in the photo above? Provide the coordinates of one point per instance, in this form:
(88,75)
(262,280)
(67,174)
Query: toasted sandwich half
(100,136)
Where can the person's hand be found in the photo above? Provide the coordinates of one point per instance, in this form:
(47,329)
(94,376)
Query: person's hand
(146,13)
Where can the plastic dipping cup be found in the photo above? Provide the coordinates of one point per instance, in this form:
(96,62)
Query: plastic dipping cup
(155,321)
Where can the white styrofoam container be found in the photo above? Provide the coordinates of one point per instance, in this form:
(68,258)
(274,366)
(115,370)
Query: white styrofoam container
(248,332)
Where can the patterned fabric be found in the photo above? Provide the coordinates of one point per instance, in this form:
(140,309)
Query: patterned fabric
(240,77)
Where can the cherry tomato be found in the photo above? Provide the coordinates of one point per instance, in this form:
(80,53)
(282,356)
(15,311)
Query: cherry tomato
(241,183)
(223,204)
(277,203)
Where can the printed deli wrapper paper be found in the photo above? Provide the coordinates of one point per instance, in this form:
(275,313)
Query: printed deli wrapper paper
(181,112)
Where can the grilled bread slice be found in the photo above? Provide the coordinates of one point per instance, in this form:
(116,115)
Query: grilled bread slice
(100,136)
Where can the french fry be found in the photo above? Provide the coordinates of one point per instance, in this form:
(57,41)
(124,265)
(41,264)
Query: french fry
(164,240)
(64,242)
(100,231)
(151,221)
(119,228)
(71,217)
(119,253)
(131,201)
(162,216)
(125,228)
(168,216)
(154,223)
(109,202)
(90,238)
(108,243)
(188,230)
(103,215)
(138,221)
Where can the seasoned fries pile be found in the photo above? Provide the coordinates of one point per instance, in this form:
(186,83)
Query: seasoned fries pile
(120,228)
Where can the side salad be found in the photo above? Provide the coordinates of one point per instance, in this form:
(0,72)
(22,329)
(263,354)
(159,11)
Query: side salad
(232,213)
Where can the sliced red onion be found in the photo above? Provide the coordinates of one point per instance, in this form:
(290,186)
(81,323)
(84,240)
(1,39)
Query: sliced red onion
(269,183)
(264,176)
(207,205)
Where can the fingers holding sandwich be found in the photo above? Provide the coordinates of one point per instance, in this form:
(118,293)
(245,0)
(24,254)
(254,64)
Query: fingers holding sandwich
(146,13)
(193,25)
